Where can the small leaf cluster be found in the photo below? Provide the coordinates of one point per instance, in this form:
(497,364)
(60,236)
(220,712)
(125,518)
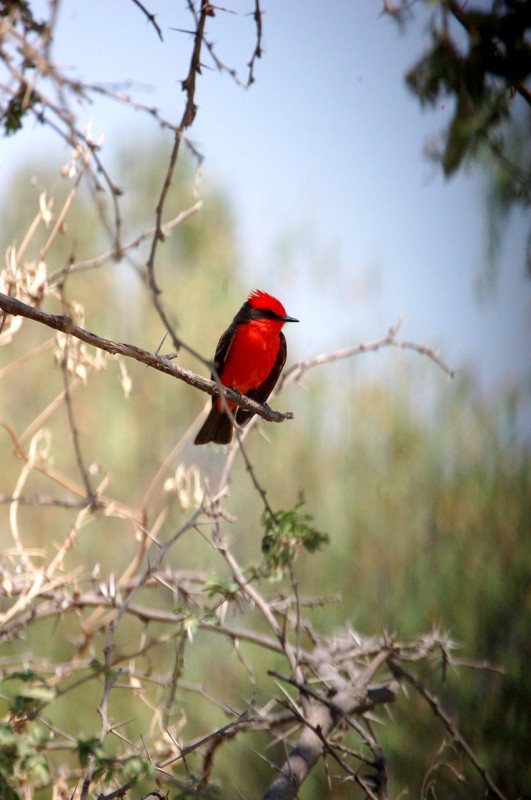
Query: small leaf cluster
(286,532)
(22,754)
(24,98)
(17,107)
(26,703)
(133,768)
(23,743)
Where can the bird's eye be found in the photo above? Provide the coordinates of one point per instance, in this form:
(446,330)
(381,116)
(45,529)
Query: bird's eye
(263,313)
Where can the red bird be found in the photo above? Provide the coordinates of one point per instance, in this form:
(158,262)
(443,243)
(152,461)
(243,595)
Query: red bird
(249,357)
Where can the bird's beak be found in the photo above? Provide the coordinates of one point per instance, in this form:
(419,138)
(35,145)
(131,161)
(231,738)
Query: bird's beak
(289,319)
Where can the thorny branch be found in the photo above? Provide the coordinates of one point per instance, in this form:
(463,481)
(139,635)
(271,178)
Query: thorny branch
(151,18)
(321,719)
(257,15)
(188,116)
(403,674)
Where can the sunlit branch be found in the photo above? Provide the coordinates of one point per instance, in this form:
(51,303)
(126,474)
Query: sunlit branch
(11,305)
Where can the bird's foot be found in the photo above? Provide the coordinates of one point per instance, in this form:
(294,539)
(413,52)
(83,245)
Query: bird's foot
(236,392)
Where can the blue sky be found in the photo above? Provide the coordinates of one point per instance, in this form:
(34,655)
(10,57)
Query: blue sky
(338,211)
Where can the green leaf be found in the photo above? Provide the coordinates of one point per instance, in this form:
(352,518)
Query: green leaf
(35,695)
(29,703)
(286,532)
(6,790)
(9,751)
(26,676)
(226,588)
(137,768)
(16,109)
(35,763)
(87,747)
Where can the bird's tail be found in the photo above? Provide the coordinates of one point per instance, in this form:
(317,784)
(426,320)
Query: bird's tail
(216,428)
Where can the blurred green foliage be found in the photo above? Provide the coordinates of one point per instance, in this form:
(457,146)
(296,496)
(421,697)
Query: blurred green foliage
(13,113)
(426,503)
(286,532)
(479,56)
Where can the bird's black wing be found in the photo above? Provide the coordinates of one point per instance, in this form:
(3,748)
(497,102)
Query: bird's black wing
(222,350)
(264,390)
(218,425)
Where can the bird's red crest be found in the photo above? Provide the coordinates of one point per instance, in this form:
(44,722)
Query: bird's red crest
(259,299)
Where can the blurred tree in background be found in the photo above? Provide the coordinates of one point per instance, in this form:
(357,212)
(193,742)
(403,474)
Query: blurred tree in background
(149,646)
(480,56)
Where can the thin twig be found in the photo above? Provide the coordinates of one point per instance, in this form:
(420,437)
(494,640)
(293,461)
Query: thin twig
(188,116)
(112,255)
(91,497)
(151,18)
(295,372)
(437,709)
(257,16)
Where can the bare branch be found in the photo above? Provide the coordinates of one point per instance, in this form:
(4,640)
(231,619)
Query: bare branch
(110,255)
(257,16)
(295,372)
(188,85)
(10,305)
(91,496)
(151,18)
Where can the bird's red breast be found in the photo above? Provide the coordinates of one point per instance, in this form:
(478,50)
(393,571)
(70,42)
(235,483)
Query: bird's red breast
(252,354)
